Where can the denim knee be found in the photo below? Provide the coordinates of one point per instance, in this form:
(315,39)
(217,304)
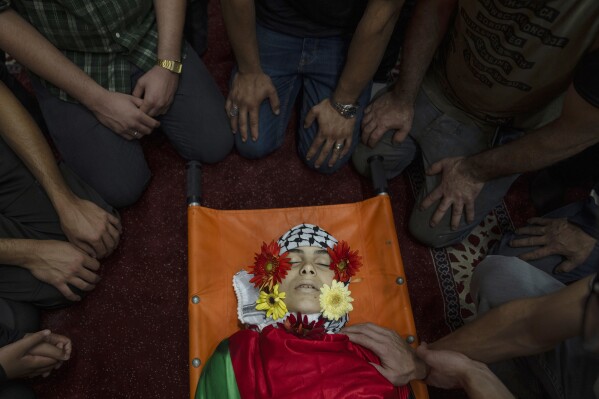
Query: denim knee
(254,149)
(324,167)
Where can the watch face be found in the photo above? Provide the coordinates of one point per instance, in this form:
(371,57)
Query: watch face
(347,110)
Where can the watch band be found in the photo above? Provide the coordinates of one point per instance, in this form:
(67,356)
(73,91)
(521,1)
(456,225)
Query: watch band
(348,111)
(171,65)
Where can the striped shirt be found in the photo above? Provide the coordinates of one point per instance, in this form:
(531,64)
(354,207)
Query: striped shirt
(102,37)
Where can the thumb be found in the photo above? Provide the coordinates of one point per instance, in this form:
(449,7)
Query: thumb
(137,101)
(309,119)
(138,91)
(566,266)
(435,168)
(384,372)
(422,351)
(400,135)
(25,344)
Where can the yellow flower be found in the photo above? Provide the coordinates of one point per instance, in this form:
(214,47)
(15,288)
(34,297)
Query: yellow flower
(335,301)
(273,302)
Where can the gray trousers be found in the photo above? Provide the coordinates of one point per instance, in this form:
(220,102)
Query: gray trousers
(436,136)
(196,125)
(566,372)
(549,263)
(26,212)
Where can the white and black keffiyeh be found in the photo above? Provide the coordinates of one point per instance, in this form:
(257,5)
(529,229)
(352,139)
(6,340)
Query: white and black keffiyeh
(305,235)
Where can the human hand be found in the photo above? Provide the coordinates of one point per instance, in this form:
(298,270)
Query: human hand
(157,88)
(399,363)
(32,355)
(555,237)
(448,369)
(458,189)
(90,227)
(54,346)
(58,263)
(248,90)
(333,129)
(120,113)
(387,112)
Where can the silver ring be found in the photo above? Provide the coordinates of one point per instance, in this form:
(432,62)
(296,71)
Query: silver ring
(135,133)
(234,111)
(338,147)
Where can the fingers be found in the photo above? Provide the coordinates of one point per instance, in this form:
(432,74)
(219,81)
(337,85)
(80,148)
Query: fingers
(566,266)
(67,293)
(48,350)
(537,253)
(444,205)
(91,263)
(531,230)
(389,375)
(310,117)
(115,221)
(532,241)
(456,215)
(87,248)
(254,115)
(138,91)
(340,149)
(81,284)
(26,343)
(273,98)
(470,212)
(243,123)
(430,199)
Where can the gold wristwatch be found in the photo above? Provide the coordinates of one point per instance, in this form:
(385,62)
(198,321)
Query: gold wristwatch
(173,66)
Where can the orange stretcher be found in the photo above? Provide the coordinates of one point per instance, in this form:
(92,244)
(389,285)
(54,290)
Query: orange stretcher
(222,242)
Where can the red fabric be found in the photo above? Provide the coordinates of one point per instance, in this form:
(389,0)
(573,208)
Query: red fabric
(329,368)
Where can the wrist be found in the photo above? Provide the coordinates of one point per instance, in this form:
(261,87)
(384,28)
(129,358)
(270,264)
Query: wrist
(17,252)
(346,110)
(172,65)
(474,375)
(421,370)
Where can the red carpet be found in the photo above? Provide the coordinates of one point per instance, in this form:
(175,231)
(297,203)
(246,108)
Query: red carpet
(130,334)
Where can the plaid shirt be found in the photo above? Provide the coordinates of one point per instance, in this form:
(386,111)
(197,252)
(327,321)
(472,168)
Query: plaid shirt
(102,37)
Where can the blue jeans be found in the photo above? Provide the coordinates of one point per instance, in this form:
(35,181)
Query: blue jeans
(294,63)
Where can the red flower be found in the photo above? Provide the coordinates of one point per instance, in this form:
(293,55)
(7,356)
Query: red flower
(344,262)
(269,268)
(300,327)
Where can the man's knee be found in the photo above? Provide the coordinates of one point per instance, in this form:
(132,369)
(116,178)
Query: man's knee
(271,137)
(441,235)
(360,159)
(500,279)
(211,150)
(254,149)
(124,189)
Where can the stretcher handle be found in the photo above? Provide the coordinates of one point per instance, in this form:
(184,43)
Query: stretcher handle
(377,174)
(194,183)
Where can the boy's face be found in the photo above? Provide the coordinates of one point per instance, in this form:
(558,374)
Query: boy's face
(309,271)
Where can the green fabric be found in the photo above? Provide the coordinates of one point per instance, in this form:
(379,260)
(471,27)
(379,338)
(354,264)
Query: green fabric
(100,37)
(218,377)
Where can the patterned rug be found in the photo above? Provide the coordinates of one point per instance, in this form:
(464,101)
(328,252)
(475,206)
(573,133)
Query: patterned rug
(455,264)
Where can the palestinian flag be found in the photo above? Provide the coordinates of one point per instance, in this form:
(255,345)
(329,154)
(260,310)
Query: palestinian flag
(278,364)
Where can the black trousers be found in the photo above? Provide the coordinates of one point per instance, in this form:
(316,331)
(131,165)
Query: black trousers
(27,213)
